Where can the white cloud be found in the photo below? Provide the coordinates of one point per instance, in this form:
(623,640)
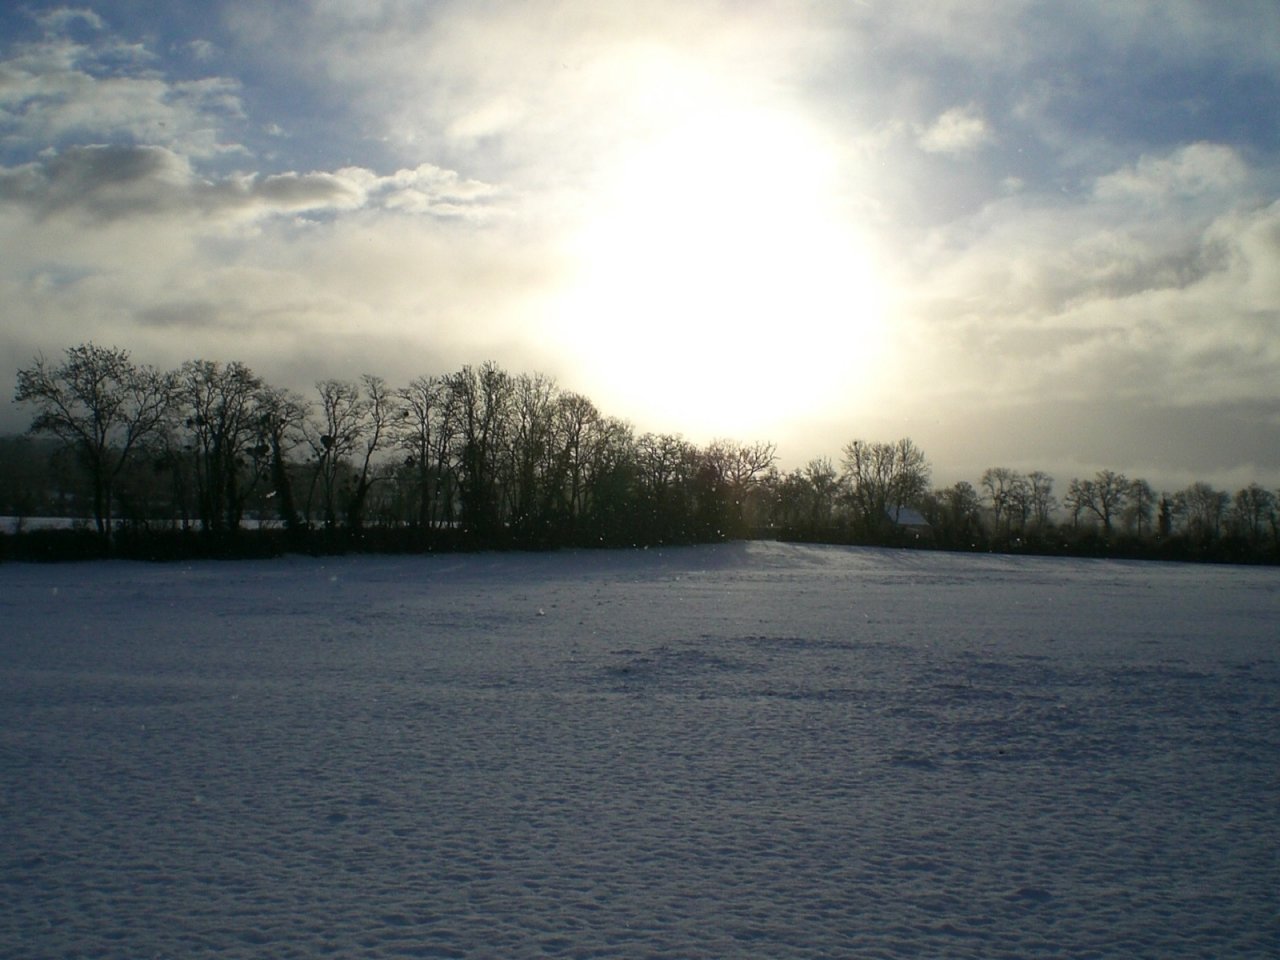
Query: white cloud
(428,189)
(1040,298)
(59,19)
(59,91)
(960,130)
(359,288)
(457,150)
(202,50)
(508,89)
(1191,171)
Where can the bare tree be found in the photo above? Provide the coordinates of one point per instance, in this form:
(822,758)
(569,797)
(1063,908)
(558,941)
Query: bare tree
(1020,503)
(216,404)
(666,465)
(424,429)
(1139,508)
(1166,514)
(749,463)
(1252,512)
(377,411)
(1103,496)
(333,438)
(737,469)
(955,514)
(1001,485)
(1202,510)
(102,406)
(609,499)
(281,421)
(529,459)
(578,427)
(1043,501)
(962,506)
(883,478)
(824,485)
(1110,489)
(665,460)
(1274,521)
(1079,496)
(483,404)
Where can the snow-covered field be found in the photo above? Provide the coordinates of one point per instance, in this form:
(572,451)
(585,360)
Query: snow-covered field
(750,750)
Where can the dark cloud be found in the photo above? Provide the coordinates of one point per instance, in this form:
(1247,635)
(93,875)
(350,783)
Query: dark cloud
(193,315)
(109,182)
(1170,441)
(281,193)
(114,182)
(106,182)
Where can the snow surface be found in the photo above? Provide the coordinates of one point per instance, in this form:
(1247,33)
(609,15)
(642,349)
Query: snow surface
(748,750)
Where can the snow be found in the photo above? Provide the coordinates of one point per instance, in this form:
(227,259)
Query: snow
(17,524)
(746,750)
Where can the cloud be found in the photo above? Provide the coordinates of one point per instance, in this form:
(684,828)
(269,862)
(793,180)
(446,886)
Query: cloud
(107,182)
(122,222)
(372,288)
(427,189)
(549,94)
(104,181)
(61,18)
(1189,172)
(960,130)
(59,92)
(1037,297)
(279,193)
(186,315)
(1072,207)
(202,50)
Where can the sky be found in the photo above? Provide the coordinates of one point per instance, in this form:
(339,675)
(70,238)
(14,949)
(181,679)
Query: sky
(1026,234)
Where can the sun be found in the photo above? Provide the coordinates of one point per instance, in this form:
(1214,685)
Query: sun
(718,287)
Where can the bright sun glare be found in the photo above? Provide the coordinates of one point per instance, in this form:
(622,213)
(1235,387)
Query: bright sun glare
(719,291)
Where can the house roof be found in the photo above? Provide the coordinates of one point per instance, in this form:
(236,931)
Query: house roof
(906,517)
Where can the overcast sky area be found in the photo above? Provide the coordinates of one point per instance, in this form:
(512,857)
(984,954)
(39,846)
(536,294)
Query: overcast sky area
(1036,235)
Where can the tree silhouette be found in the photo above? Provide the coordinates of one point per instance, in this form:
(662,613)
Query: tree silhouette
(483,399)
(998,482)
(1253,510)
(1103,496)
(216,404)
(1140,505)
(332,439)
(1202,510)
(424,429)
(101,406)
(497,459)
(374,415)
(881,479)
(281,427)
(1040,488)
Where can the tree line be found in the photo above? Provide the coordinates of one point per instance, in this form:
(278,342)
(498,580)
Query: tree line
(1108,514)
(477,457)
(210,458)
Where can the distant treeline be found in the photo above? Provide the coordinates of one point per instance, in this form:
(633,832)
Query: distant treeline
(210,460)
